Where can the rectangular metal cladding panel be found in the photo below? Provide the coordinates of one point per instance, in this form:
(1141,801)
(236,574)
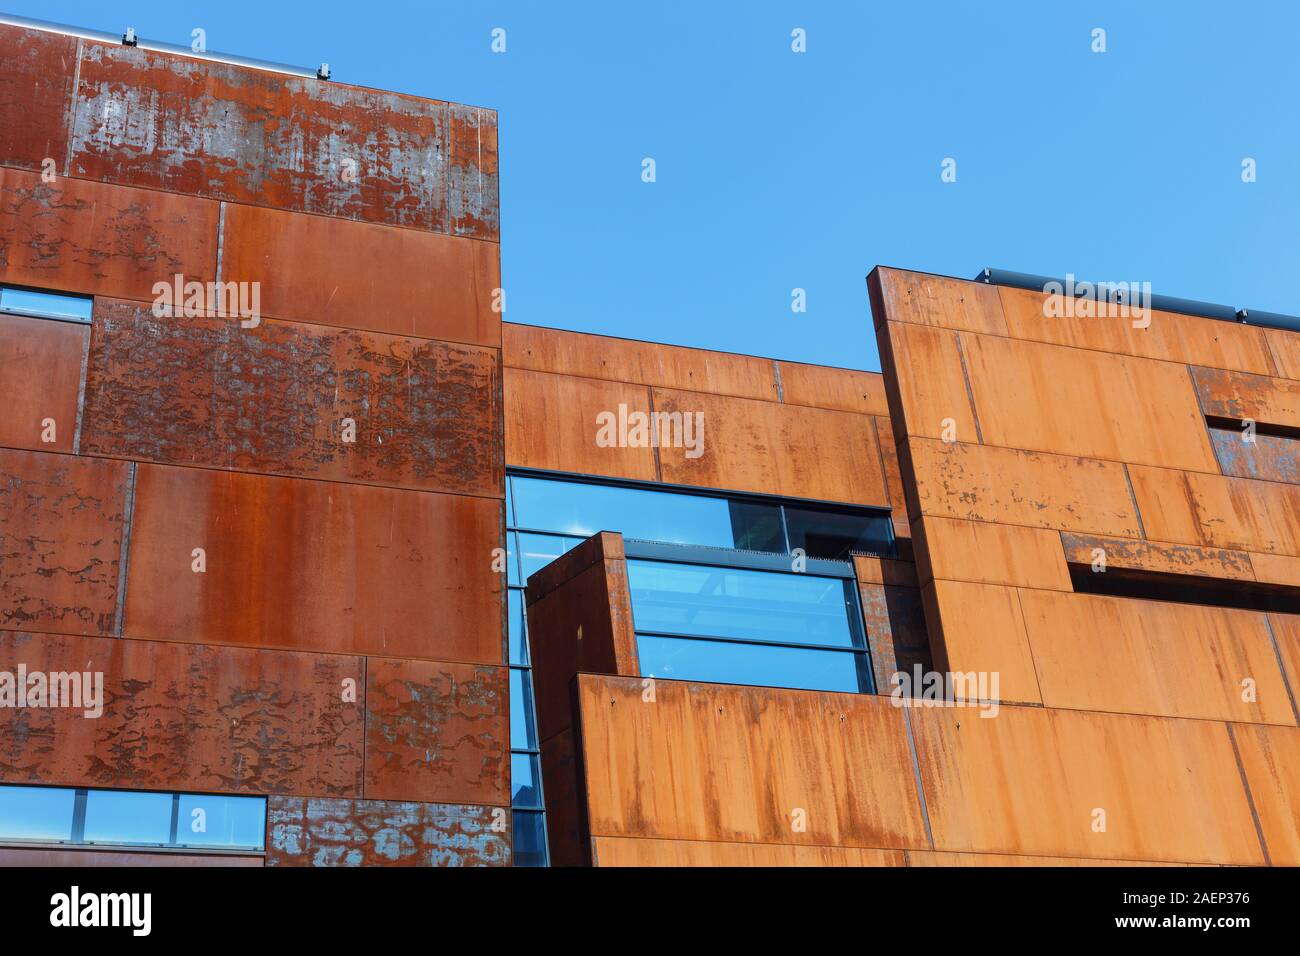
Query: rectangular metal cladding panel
(364,276)
(437,732)
(1157,556)
(40,381)
(623,851)
(276,399)
(36,69)
(310,565)
(1074,402)
(61,521)
(936,300)
(1270,759)
(744,445)
(1265,400)
(932,858)
(1036,780)
(846,390)
(1216,512)
(1174,337)
(1266,457)
(1285,349)
(981,634)
(303,831)
(213,129)
(984,553)
(640,363)
(555,422)
(189,717)
(92,238)
(746,765)
(1286,634)
(1008,486)
(893,477)
(899,641)
(1148,657)
(934,394)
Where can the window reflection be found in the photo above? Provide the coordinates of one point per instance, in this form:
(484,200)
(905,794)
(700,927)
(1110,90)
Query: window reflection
(725,662)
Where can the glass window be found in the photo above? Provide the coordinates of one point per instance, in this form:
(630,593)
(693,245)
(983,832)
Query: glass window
(512,560)
(536,551)
(518,640)
(825,533)
(725,662)
(771,606)
(582,509)
(128,816)
(36,813)
(529,828)
(222,821)
(525,781)
(52,304)
(523,735)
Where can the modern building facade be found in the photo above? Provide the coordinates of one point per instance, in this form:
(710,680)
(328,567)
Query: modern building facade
(308,558)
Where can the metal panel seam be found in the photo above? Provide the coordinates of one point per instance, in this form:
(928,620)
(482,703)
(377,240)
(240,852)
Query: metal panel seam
(1250,799)
(125,559)
(916,774)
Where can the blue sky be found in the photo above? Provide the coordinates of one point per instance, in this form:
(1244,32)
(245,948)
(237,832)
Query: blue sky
(778,170)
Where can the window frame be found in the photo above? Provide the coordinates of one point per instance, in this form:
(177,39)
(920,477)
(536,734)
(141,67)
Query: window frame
(48,316)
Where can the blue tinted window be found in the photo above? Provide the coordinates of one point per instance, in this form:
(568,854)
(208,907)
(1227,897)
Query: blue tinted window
(518,641)
(525,781)
(723,662)
(824,533)
(221,821)
(52,304)
(36,813)
(536,551)
(732,602)
(512,560)
(523,736)
(529,838)
(122,816)
(581,509)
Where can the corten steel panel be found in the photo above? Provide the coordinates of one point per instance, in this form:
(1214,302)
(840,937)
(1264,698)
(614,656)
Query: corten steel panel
(870,569)
(893,477)
(1271,401)
(363,276)
(61,521)
(40,378)
(1031,780)
(568,836)
(979,629)
(437,732)
(985,553)
(213,129)
(734,764)
(775,449)
(1157,556)
(1266,457)
(36,69)
(1286,635)
(623,851)
(1073,402)
(1171,336)
(933,390)
(838,388)
(20,856)
(1284,346)
(1008,486)
(1239,513)
(91,238)
(640,363)
(273,399)
(301,831)
(1121,655)
(189,717)
(312,565)
(933,858)
(896,633)
(1276,568)
(1270,759)
(551,423)
(936,300)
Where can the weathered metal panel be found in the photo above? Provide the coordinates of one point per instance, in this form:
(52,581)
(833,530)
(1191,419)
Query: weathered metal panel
(365,276)
(623,851)
(1267,457)
(213,129)
(1242,514)
(1265,400)
(40,381)
(934,395)
(933,858)
(1270,759)
(274,399)
(86,237)
(980,629)
(24,856)
(1157,556)
(896,632)
(837,388)
(936,300)
(189,717)
(36,70)
(61,521)
(437,731)
(312,565)
(324,832)
(985,553)
(893,477)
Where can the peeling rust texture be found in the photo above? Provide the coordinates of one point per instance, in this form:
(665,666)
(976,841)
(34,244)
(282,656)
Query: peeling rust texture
(1268,457)
(437,731)
(896,634)
(273,399)
(36,70)
(191,717)
(1238,395)
(211,129)
(60,541)
(314,565)
(40,378)
(1164,558)
(107,240)
(333,832)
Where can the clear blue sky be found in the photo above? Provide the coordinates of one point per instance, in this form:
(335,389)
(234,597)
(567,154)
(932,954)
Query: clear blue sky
(777,170)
